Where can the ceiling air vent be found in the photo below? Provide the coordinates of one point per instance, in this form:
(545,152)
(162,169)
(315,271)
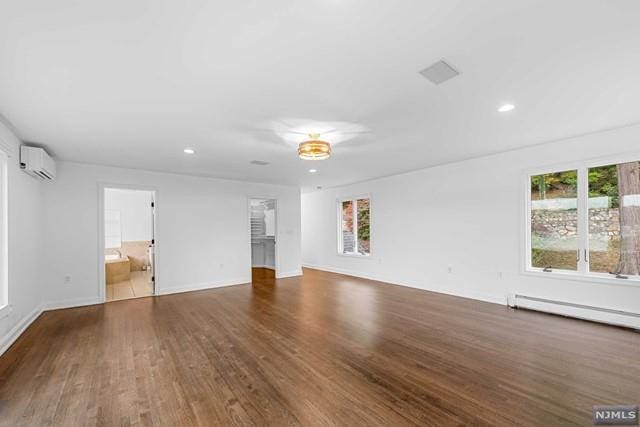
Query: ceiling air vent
(439,72)
(259,162)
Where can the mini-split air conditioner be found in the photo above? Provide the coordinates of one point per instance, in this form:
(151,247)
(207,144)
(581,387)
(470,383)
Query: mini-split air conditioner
(35,161)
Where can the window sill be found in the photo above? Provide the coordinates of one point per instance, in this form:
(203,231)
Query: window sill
(5,310)
(577,277)
(354,255)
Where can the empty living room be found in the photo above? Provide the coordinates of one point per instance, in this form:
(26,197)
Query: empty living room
(319,213)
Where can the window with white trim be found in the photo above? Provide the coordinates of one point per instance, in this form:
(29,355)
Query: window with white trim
(354,226)
(586,221)
(4,274)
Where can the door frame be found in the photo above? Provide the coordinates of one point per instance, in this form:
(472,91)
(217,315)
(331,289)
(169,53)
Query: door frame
(102,186)
(277,232)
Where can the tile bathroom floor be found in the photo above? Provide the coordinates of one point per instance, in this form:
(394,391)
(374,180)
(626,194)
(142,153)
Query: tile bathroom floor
(139,285)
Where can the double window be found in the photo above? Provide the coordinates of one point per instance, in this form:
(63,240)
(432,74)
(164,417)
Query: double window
(586,221)
(4,274)
(354,226)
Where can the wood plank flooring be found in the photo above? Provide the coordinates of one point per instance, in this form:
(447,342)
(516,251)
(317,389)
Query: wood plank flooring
(323,349)
(262,275)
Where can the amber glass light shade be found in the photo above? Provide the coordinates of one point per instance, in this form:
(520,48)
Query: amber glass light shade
(314,150)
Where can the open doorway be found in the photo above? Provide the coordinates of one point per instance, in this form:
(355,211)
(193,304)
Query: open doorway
(262,213)
(129,243)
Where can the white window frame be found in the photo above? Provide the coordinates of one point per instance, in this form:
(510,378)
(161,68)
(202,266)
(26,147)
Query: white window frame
(582,273)
(4,236)
(354,201)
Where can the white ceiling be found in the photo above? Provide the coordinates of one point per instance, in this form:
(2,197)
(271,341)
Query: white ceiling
(133,82)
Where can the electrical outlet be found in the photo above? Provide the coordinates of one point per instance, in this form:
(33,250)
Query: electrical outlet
(450,269)
(67,280)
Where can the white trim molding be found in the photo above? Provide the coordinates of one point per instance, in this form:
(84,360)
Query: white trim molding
(203,286)
(276,234)
(5,311)
(494,299)
(72,303)
(354,213)
(287,274)
(19,328)
(102,187)
(582,272)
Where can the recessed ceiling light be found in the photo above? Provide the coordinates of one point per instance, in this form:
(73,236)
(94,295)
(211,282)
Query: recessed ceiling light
(313,170)
(506,107)
(189,151)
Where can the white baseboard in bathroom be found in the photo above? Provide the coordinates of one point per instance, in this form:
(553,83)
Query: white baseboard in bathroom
(15,332)
(202,286)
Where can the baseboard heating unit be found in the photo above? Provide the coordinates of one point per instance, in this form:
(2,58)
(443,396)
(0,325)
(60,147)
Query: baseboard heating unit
(595,314)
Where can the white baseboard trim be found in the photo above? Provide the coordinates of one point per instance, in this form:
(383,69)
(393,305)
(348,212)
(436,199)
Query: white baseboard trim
(469,295)
(286,274)
(19,328)
(202,286)
(76,302)
(22,325)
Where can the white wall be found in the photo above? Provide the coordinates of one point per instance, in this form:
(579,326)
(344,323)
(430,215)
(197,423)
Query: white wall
(24,246)
(202,230)
(467,216)
(135,212)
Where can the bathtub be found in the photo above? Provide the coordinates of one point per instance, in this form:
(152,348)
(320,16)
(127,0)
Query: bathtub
(117,268)
(112,257)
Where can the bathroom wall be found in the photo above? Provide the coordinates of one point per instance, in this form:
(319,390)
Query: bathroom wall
(202,236)
(136,223)
(25,218)
(135,212)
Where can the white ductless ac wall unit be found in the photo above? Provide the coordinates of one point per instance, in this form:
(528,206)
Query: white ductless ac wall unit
(36,162)
(594,314)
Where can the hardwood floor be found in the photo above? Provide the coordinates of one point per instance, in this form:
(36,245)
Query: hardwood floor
(325,349)
(262,275)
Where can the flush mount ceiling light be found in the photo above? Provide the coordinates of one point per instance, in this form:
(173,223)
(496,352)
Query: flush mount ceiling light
(506,108)
(314,148)
(313,170)
(189,151)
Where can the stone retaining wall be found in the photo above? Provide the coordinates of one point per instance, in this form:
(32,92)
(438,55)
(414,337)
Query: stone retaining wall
(563,224)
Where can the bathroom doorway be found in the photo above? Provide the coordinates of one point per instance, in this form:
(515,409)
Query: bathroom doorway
(263,228)
(129,243)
